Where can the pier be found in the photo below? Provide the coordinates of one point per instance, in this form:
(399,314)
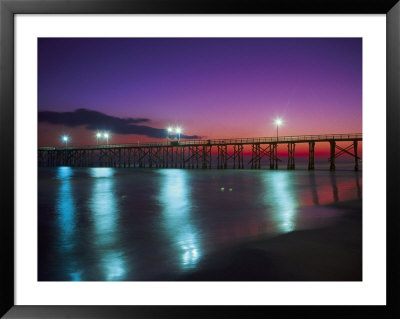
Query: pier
(226,153)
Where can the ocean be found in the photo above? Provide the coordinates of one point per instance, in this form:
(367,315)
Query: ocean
(131,224)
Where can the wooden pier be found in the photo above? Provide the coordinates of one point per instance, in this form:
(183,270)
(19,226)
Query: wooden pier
(228,153)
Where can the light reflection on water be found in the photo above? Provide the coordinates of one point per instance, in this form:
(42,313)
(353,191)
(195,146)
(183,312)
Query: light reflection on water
(66,208)
(104,210)
(130,224)
(281,199)
(176,202)
(65,211)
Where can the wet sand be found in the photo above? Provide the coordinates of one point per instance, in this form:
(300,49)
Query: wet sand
(332,253)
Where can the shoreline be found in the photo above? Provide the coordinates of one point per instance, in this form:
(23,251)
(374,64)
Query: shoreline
(329,253)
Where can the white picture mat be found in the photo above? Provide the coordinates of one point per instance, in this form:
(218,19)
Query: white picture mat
(371,291)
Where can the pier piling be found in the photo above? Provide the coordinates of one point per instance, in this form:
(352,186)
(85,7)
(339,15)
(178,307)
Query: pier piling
(198,153)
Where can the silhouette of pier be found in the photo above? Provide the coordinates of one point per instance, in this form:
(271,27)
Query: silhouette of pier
(227,153)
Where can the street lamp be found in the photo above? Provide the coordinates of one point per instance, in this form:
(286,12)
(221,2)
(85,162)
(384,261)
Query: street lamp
(178,131)
(278,122)
(98,135)
(65,139)
(106,136)
(169,130)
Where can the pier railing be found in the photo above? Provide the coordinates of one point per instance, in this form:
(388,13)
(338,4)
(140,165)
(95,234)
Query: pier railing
(200,153)
(231,141)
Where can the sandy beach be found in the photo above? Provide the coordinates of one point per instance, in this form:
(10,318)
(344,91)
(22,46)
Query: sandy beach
(331,253)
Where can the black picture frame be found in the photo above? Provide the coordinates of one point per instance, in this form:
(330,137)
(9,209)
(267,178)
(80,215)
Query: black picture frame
(8,8)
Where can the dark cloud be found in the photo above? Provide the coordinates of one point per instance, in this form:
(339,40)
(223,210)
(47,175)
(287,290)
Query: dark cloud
(94,121)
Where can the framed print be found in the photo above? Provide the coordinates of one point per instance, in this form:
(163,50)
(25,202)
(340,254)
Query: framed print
(168,154)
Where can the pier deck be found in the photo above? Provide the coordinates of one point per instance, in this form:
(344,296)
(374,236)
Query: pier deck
(199,153)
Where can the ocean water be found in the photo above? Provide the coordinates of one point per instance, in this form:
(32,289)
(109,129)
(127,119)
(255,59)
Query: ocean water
(116,224)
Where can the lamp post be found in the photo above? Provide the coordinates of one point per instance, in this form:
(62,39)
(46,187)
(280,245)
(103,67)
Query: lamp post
(65,139)
(278,122)
(179,131)
(169,130)
(98,135)
(106,136)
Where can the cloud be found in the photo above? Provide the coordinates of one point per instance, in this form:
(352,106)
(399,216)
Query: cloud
(94,121)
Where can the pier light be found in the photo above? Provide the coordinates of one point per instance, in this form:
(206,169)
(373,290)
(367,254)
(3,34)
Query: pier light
(65,139)
(98,135)
(178,131)
(278,123)
(106,136)
(169,130)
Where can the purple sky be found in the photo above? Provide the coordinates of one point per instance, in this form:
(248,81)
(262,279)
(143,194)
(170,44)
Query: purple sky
(212,87)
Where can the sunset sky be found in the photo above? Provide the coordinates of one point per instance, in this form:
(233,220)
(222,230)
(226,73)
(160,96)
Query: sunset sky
(211,87)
